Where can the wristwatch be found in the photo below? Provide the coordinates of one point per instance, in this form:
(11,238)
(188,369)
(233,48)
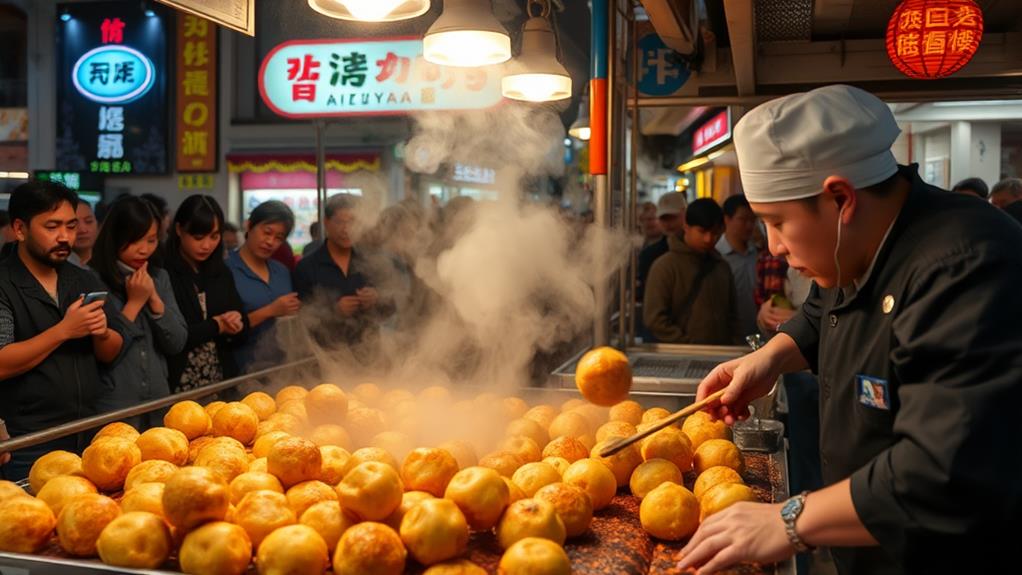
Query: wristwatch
(789,513)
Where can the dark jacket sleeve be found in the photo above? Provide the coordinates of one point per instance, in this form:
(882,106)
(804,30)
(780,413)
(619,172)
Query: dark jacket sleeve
(804,327)
(169,330)
(734,324)
(200,330)
(954,467)
(234,303)
(656,307)
(302,280)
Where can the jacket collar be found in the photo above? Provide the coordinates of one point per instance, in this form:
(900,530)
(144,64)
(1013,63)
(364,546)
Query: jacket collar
(23,278)
(677,245)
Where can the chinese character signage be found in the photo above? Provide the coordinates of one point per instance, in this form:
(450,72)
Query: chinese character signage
(196,94)
(714,132)
(474,174)
(661,69)
(236,14)
(111,88)
(320,78)
(929,39)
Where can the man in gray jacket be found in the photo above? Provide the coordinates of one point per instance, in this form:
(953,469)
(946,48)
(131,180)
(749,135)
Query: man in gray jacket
(690,292)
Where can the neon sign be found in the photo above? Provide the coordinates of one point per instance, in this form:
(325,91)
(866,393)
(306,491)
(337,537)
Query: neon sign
(113,74)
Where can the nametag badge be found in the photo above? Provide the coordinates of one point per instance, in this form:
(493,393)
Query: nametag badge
(873,392)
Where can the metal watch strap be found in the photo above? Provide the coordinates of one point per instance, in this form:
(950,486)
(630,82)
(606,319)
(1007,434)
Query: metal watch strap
(789,524)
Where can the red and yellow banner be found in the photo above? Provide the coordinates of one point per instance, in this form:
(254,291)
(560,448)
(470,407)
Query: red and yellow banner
(196,94)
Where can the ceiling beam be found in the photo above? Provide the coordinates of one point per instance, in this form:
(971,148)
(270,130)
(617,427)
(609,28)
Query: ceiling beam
(742,32)
(676,23)
(832,16)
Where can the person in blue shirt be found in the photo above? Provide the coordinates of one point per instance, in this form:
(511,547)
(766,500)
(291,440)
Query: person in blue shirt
(263,283)
(154,328)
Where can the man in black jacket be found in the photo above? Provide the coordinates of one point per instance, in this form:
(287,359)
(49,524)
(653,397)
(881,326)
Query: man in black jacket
(911,326)
(50,339)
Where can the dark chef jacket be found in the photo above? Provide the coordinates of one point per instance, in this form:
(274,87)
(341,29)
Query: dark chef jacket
(919,397)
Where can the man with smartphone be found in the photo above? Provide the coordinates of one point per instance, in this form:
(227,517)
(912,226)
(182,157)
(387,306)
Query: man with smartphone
(53,326)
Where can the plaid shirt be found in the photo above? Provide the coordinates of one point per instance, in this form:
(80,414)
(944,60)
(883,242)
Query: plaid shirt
(771,272)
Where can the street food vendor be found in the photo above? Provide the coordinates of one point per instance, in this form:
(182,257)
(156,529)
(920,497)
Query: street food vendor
(912,326)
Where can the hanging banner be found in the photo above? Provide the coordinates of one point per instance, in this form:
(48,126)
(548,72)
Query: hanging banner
(712,133)
(234,14)
(112,88)
(196,94)
(371,77)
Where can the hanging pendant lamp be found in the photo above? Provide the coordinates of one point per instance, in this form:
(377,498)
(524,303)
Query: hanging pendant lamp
(467,35)
(536,75)
(371,10)
(580,129)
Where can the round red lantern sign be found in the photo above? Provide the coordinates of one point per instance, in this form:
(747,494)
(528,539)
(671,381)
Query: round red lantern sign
(929,39)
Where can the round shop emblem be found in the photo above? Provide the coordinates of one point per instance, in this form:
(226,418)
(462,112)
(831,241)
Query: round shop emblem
(113,74)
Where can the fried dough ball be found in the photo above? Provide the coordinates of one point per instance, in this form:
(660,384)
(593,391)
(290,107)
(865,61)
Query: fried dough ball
(107,462)
(650,474)
(595,478)
(81,522)
(152,471)
(189,418)
(327,518)
(293,550)
(217,548)
(251,481)
(144,497)
(294,460)
(481,494)
(195,495)
(428,469)
(326,403)
(261,403)
(308,493)
(530,518)
(435,530)
(236,420)
(117,429)
(137,540)
(369,549)
(62,490)
(534,556)
(669,512)
(371,491)
(566,447)
(53,464)
(25,524)
(261,512)
(572,504)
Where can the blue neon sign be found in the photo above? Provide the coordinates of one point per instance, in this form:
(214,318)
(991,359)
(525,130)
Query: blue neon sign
(113,74)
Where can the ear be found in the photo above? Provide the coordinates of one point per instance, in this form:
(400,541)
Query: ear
(20,228)
(843,194)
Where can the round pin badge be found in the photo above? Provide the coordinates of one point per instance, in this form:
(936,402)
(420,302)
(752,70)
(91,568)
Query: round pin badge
(888,304)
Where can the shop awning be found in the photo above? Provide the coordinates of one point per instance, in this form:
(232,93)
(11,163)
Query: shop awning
(260,163)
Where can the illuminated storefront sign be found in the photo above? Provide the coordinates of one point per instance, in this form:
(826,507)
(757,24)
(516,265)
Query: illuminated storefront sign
(321,78)
(196,94)
(112,115)
(714,132)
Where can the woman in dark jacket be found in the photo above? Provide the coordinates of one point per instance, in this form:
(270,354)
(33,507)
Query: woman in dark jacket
(205,292)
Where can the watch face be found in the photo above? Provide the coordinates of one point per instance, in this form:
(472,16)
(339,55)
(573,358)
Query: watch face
(789,509)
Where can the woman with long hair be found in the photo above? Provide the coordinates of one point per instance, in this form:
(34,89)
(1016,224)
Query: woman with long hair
(206,293)
(153,326)
(263,283)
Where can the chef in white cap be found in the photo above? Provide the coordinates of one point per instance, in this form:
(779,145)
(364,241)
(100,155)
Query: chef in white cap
(914,327)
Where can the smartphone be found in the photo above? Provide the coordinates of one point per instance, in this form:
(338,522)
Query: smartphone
(94,297)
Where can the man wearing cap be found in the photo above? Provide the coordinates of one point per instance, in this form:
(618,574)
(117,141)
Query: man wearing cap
(912,326)
(670,211)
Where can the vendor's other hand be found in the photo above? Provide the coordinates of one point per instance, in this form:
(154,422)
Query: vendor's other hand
(770,317)
(747,378)
(368,297)
(743,532)
(349,305)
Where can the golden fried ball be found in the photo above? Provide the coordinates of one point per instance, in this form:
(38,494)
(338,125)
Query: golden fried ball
(189,418)
(236,420)
(409,499)
(435,530)
(714,452)
(261,512)
(152,471)
(462,451)
(225,459)
(261,403)
(455,567)
(566,447)
(534,556)
(615,429)
(724,495)
(368,393)
(308,493)
(10,490)
(330,434)
(369,549)
(335,464)
(523,447)
(107,462)
(671,444)
(117,429)
(701,427)
(376,454)
(527,428)
(428,469)
(25,524)
(53,464)
(217,548)
(481,494)
(195,495)
(622,463)
(136,540)
(570,424)
(669,512)
(290,393)
(542,414)
(593,477)
(572,504)
(144,497)
(715,476)
(251,481)
(293,550)
(326,403)
(650,474)
(62,490)
(327,518)
(532,476)
(626,411)
(165,444)
(81,522)
(262,445)
(396,443)
(294,460)
(530,518)
(371,491)
(503,462)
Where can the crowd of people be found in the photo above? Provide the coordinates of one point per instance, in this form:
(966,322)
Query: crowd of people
(103,311)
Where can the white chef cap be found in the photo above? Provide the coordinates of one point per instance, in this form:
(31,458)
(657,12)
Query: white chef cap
(787,147)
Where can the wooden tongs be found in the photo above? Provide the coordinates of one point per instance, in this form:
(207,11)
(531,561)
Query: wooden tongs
(665,422)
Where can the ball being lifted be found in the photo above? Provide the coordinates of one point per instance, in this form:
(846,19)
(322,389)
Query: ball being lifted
(604,376)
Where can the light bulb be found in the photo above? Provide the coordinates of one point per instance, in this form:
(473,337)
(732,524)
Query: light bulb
(371,10)
(536,87)
(582,133)
(467,48)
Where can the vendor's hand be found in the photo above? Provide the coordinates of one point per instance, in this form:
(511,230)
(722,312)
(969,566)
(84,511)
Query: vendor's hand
(770,317)
(286,305)
(368,297)
(743,532)
(139,285)
(747,378)
(230,322)
(82,320)
(4,457)
(348,305)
